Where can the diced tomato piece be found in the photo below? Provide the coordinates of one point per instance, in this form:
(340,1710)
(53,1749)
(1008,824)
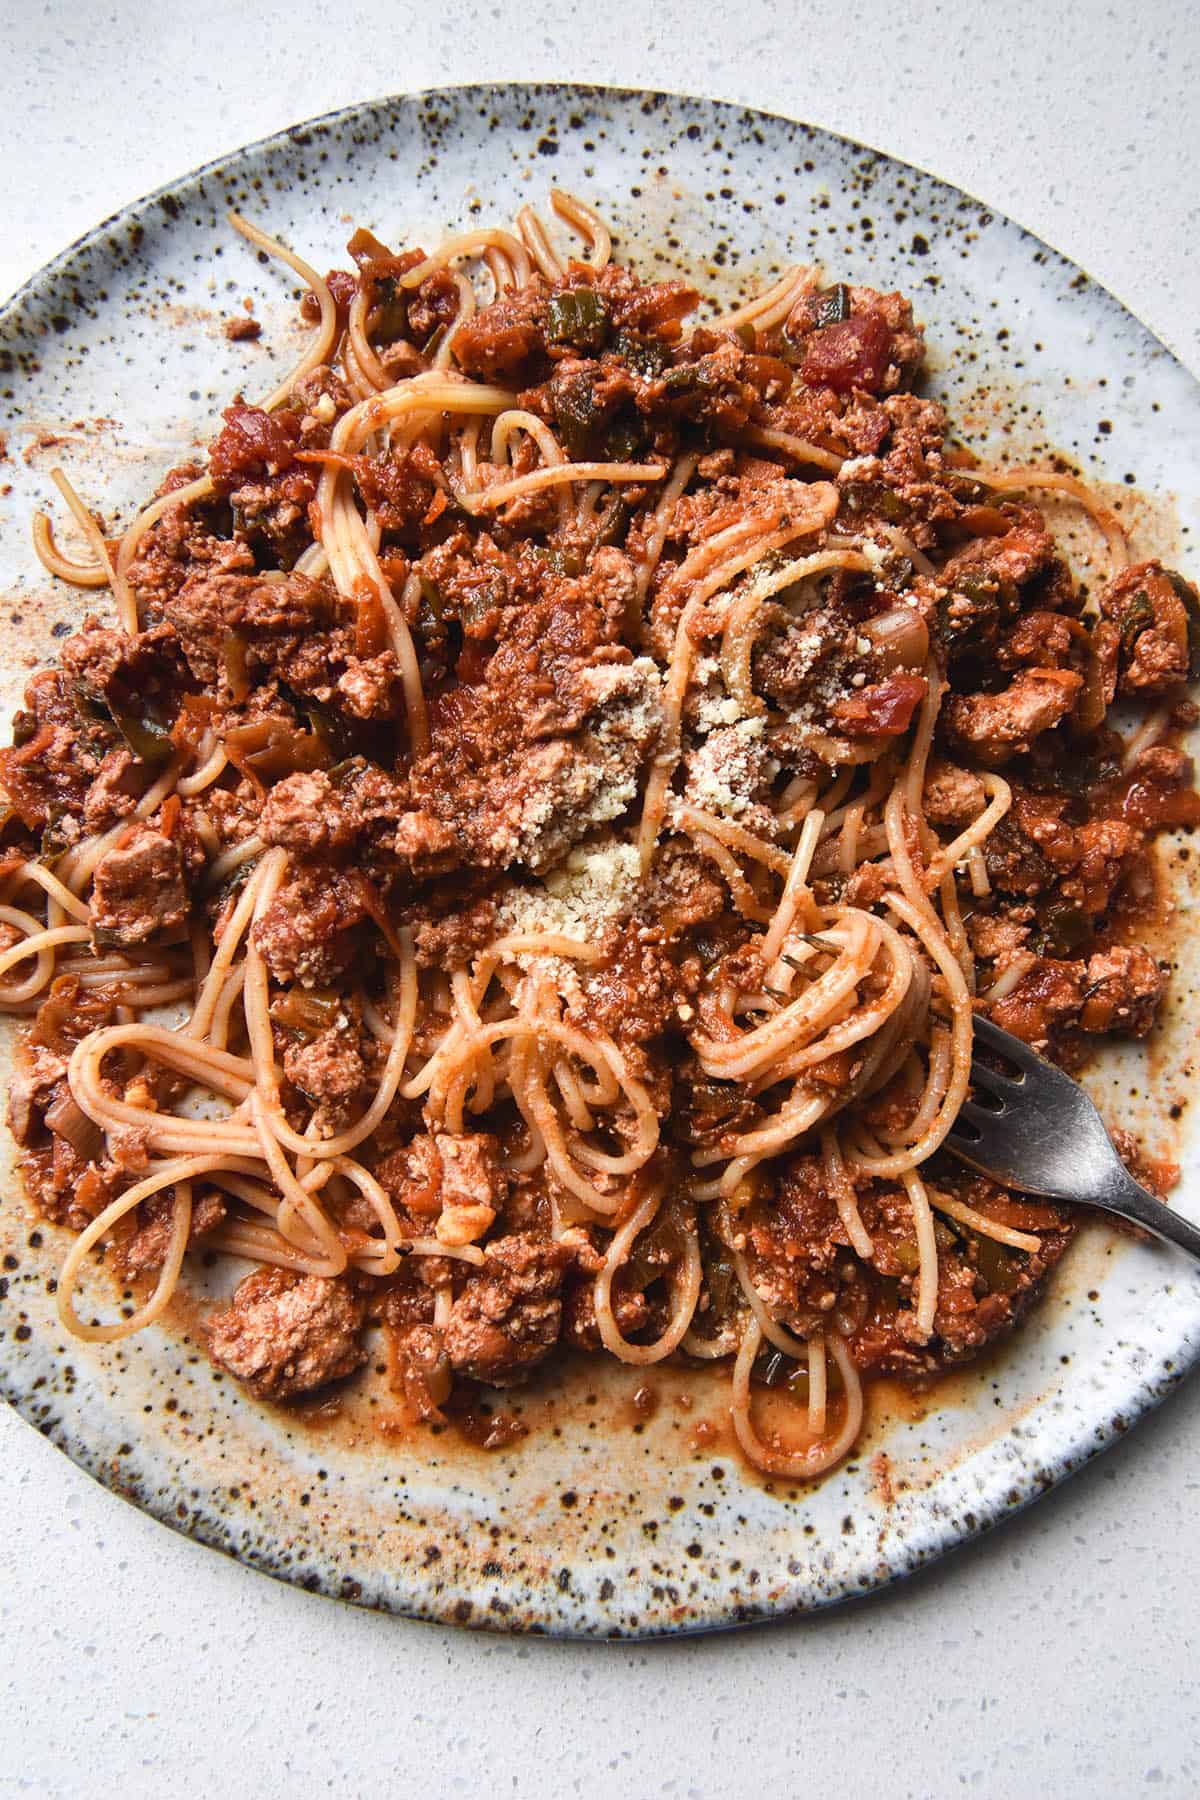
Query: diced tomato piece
(343,286)
(252,443)
(884,710)
(851,354)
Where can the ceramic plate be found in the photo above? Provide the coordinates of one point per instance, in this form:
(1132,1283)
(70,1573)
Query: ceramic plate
(624,1511)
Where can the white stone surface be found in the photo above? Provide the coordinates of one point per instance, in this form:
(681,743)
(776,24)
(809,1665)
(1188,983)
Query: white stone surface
(1056,1657)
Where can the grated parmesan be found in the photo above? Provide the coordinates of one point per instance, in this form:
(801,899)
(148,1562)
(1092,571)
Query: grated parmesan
(593,884)
(857,467)
(729,770)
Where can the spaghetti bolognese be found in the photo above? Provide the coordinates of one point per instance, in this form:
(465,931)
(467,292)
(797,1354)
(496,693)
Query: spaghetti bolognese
(521,867)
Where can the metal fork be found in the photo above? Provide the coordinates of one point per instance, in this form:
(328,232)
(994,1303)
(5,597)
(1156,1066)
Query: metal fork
(1036,1130)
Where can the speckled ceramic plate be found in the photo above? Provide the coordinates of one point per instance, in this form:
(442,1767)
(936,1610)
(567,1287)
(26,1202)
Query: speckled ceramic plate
(611,1517)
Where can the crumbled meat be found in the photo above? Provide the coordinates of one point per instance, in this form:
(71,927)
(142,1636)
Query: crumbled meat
(35,1081)
(284,1335)
(280,628)
(1043,640)
(998,937)
(115,792)
(471,1170)
(997,727)
(1123,987)
(138,892)
(66,1188)
(1151,612)
(434,304)
(370,687)
(330,1068)
(793,1242)
(47,771)
(1104,849)
(147,1248)
(867,885)
(633,1310)
(795,1250)
(474,1185)
(552,741)
(453,941)
(549,636)
(1160,790)
(421,1370)
(1010,558)
(413,1177)
(681,893)
(307,933)
(306,813)
(637,991)
(139,671)
(953,796)
(508,1316)
(399,489)
(319,399)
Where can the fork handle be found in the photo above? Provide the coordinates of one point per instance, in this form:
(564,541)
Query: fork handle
(1127,1197)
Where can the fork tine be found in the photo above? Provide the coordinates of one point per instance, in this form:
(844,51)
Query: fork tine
(993,1083)
(981,1116)
(978,1154)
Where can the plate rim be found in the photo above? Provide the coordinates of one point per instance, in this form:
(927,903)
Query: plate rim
(617,90)
(942,1535)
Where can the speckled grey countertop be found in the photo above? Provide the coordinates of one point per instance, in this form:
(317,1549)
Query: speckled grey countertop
(1058,1655)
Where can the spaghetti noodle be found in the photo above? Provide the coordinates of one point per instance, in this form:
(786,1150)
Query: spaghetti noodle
(523,866)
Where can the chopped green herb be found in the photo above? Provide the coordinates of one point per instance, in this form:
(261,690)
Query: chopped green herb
(1064,928)
(576,415)
(1138,617)
(429,606)
(1187,594)
(57,838)
(681,379)
(577,317)
(645,356)
(567,560)
(149,741)
(624,442)
(389,315)
(615,522)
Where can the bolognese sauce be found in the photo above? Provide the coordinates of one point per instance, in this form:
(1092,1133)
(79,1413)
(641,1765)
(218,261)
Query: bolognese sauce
(557,781)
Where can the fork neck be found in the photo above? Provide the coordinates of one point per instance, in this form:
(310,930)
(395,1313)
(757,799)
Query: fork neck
(1121,1194)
